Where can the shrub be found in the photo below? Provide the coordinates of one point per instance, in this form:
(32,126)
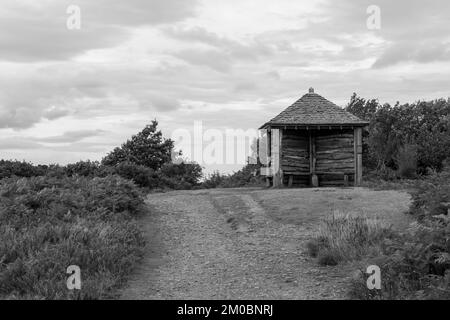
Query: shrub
(169,176)
(48,223)
(9,168)
(346,238)
(407,162)
(56,171)
(214,180)
(416,264)
(315,246)
(147,148)
(432,195)
(141,175)
(426,124)
(180,176)
(84,168)
(246,177)
(328,257)
(387,173)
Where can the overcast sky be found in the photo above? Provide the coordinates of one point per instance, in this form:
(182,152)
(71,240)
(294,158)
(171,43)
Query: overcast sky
(68,95)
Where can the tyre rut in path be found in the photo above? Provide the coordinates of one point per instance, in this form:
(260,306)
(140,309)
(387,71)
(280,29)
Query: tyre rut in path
(220,244)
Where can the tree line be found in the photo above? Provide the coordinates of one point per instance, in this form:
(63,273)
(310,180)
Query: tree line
(404,140)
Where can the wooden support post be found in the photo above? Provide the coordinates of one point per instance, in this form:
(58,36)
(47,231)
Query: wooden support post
(280,157)
(313,141)
(312,160)
(314,181)
(276,157)
(258,160)
(357,142)
(345,180)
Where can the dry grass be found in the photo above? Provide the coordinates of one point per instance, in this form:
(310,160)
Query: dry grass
(348,223)
(308,207)
(344,237)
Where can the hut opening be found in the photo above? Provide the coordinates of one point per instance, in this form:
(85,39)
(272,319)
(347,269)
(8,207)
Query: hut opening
(314,143)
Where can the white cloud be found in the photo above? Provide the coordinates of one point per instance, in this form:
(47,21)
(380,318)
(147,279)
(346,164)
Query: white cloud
(38,32)
(229,63)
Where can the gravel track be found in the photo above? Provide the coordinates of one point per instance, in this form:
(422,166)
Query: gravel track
(222,244)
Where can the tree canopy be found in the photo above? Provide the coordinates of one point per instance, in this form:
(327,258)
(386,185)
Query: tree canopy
(147,148)
(425,125)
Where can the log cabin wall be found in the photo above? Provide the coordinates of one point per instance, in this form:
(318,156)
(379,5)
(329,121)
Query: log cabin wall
(334,155)
(295,157)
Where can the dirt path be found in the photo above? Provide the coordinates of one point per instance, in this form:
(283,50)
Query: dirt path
(225,244)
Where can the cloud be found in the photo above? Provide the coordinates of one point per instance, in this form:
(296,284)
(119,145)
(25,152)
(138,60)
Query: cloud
(196,34)
(412,31)
(71,136)
(53,113)
(17,117)
(18,143)
(214,59)
(37,32)
(407,52)
(163,103)
(245,87)
(221,52)
(53,91)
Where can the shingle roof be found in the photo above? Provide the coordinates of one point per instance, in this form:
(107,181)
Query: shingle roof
(313,109)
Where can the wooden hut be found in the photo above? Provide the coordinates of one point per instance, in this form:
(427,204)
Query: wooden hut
(314,143)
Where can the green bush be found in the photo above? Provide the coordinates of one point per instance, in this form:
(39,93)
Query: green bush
(416,264)
(146,148)
(246,177)
(407,162)
(85,168)
(180,176)
(169,176)
(143,176)
(328,257)
(425,124)
(9,168)
(49,223)
(432,195)
(214,180)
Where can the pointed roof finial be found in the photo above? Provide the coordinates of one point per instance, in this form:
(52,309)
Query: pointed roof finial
(311,90)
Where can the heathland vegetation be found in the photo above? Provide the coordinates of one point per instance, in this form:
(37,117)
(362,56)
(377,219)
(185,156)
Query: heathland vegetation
(406,145)
(85,213)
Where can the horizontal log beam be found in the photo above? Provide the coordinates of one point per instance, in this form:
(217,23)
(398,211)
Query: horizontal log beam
(334,161)
(296,173)
(295,157)
(337,136)
(337,173)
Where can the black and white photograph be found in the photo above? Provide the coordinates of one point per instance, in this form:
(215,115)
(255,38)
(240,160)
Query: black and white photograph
(224,156)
